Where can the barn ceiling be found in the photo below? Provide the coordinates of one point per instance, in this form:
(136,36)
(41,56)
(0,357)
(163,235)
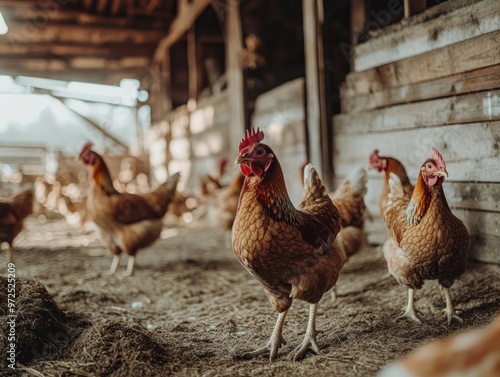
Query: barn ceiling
(83,40)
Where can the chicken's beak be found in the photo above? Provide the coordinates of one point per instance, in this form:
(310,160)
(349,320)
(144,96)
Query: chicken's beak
(442,173)
(242,158)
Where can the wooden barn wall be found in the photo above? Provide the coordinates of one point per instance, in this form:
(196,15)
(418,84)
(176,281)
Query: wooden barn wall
(280,114)
(191,142)
(432,82)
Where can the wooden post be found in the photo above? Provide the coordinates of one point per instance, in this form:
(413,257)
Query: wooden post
(413,7)
(165,82)
(316,106)
(234,72)
(192,66)
(358,19)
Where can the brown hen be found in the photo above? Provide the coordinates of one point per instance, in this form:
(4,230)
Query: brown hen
(12,215)
(126,222)
(293,252)
(429,242)
(475,353)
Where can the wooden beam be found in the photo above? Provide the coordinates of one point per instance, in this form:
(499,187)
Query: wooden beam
(41,64)
(98,76)
(421,37)
(20,33)
(412,7)
(316,112)
(234,73)
(358,19)
(33,15)
(101,6)
(63,50)
(467,82)
(184,20)
(192,63)
(475,53)
(467,108)
(115,7)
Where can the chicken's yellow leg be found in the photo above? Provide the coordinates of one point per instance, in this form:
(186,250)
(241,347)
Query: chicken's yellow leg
(309,341)
(410,308)
(130,265)
(450,310)
(274,343)
(114,264)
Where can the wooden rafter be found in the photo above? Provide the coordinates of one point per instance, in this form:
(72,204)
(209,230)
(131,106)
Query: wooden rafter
(185,19)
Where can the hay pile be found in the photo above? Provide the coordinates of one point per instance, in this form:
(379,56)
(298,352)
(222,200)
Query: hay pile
(42,329)
(112,348)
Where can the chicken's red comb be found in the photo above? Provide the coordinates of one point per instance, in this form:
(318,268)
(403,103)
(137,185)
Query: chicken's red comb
(374,156)
(86,147)
(251,137)
(436,156)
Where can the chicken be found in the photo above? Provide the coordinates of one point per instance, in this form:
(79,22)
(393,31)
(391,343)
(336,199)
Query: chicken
(472,353)
(429,242)
(389,165)
(126,222)
(226,202)
(209,184)
(348,198)
(12,215)
(293,252)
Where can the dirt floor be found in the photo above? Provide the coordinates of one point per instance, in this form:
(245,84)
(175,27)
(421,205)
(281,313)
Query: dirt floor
(191,310)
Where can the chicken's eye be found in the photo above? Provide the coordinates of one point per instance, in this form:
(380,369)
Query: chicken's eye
(429,166)
(259,152)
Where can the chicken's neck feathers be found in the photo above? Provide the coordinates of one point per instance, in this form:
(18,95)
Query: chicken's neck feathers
(102,179)
(271,193)
(422,199)
(396,167)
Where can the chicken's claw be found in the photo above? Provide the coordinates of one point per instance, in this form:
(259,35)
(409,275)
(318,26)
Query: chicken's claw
(272,347)
(309,342)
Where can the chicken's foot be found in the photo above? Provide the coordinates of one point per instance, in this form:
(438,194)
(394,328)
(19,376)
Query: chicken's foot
(130,265)
(450,312)
(333,293)
(410,308)
(114,264)
(309,341)
(10,252)
(274,343)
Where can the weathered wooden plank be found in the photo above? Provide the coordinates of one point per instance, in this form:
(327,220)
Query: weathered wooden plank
(475,107)
(471,151)
(485,249)
(474,53)
(459,24)
(468,82)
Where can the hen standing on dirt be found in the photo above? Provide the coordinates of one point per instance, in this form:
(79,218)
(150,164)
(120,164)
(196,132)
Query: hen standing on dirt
(293,253)
(429,241)
(127,222)
(12,215)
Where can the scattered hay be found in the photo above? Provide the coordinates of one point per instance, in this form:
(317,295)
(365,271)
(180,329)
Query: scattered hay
(42,329)
(116,349)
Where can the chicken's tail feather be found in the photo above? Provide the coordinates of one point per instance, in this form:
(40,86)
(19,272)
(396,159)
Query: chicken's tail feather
(23,203)
(313,185)
(358,180)
(163,195)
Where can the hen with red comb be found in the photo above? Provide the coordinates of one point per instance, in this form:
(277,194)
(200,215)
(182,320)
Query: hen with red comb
(293,252)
